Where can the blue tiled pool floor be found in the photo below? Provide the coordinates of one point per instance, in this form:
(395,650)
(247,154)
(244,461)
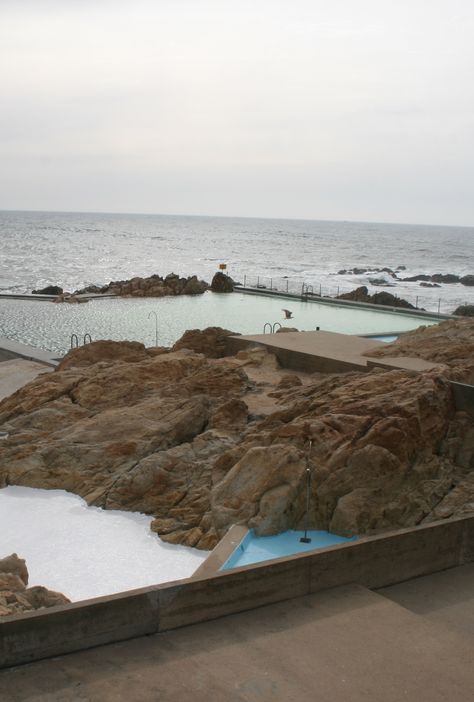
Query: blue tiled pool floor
(254,549)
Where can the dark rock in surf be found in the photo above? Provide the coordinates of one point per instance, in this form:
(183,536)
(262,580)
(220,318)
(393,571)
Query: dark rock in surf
(381,298)
(49,290)
(445,278)
(417,278)
(379,281)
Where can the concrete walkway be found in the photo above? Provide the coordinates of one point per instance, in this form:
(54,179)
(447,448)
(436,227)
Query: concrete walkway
(16,373)
(347,644)
(327,352)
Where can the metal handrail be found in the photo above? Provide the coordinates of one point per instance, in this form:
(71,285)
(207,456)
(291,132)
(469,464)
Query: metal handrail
(74,336)
(156,325)
(267,324)
(87,336)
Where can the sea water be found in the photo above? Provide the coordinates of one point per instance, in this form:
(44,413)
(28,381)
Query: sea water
(74,250)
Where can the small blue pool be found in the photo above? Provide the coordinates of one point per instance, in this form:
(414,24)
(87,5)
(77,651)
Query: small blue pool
(254,549)
(385,337)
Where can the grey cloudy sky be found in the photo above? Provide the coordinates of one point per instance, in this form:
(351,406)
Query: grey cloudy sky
(307,109)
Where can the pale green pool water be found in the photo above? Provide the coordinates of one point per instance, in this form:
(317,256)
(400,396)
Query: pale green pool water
(49,326)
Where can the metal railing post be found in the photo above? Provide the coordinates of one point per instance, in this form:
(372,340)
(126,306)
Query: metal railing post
(156,325)
(305,539)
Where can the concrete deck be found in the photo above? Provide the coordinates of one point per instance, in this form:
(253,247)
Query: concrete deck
(16,373)
(326,352)
(344,644)
(14,349)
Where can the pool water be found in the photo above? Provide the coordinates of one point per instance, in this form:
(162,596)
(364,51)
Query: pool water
(254,549)
(49,326)
(85,551)
(387,338)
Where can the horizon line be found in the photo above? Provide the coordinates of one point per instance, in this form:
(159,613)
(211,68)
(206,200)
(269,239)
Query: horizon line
(248,217)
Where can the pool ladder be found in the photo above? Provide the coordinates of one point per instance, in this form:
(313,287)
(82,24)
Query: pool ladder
(87,339)
(272,327)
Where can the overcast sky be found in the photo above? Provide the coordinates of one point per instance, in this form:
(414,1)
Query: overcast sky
(299,108)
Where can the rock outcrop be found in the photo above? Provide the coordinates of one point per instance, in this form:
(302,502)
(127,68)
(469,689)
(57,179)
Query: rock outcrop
(222,283)
(153,286)
(15,596)
(201,441)
(448,278)
(450,343)
(48,290)
(464,311)
(361,294)
(211,341)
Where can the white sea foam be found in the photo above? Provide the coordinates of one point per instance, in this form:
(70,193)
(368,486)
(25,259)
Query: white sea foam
(85,551)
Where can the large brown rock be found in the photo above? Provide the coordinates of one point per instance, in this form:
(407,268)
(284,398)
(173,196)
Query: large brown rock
(39,596)
(16,566)
(15,597)
(211,341)
(222,283)
(260,490)
(200,442)
(155,286)
(450,343)
(104,351)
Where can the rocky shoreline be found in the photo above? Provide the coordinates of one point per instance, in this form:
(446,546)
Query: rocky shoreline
(201,440)
(173,284)
(152,286)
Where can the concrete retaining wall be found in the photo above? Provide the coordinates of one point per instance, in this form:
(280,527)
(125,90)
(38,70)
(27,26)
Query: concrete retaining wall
(374,562)
(295,360)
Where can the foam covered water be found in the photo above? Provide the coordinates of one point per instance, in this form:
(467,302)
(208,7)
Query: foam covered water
(85,551)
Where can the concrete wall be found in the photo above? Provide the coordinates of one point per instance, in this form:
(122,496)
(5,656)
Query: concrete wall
(341,303)
(374,562)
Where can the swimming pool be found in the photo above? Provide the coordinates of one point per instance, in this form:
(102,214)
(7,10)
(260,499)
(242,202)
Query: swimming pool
(255,549)
(49,326)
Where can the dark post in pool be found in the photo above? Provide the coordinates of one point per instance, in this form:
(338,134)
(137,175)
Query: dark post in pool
(305,539)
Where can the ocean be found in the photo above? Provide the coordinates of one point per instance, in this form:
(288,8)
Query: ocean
(73,250)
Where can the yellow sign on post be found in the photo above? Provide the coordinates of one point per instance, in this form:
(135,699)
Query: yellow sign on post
(222,266)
